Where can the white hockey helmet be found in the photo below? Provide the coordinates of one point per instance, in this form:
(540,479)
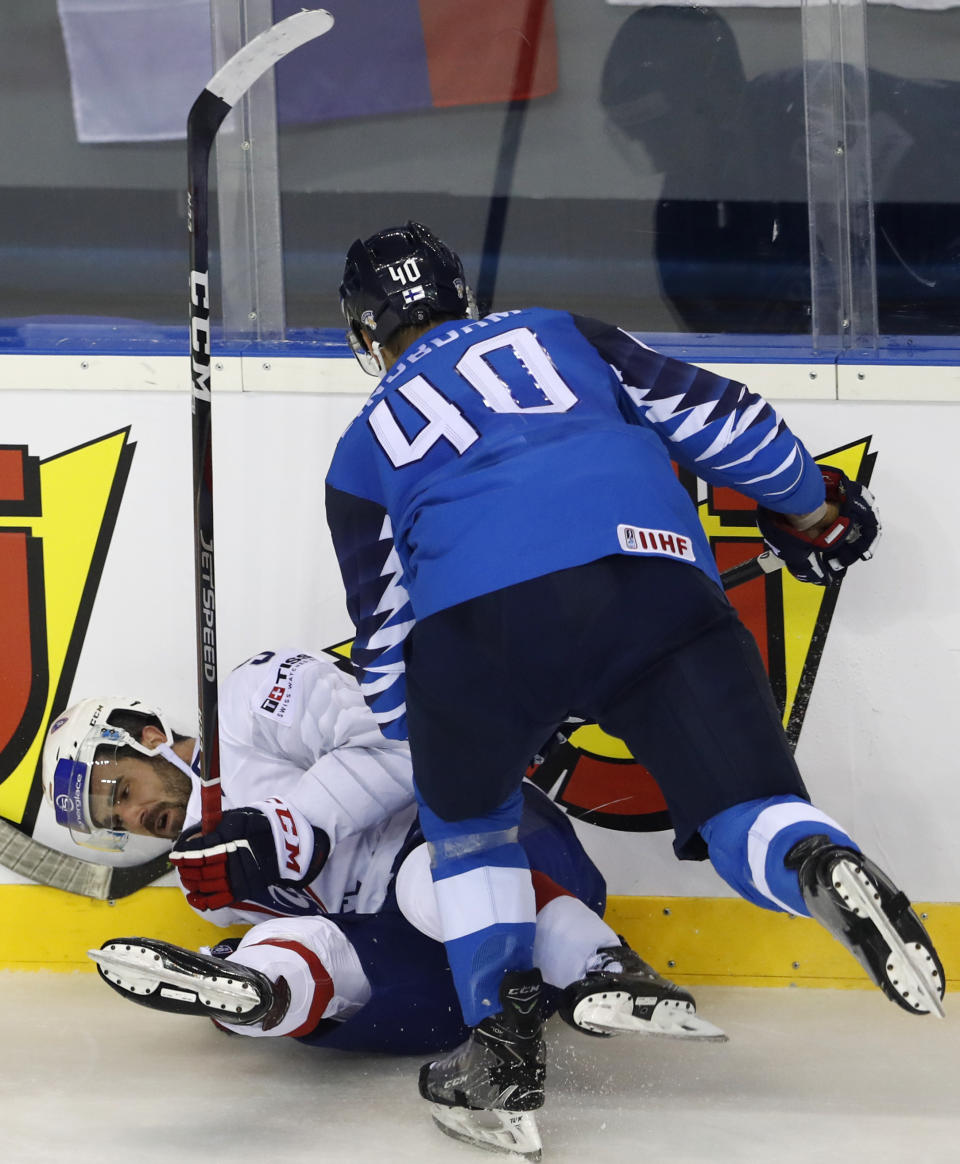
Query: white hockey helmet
(77,776)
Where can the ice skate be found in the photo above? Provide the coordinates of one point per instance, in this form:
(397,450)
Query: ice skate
(167,977)
(623,993)
(867,913)
(485,1091)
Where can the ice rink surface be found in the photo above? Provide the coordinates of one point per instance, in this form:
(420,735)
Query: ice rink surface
(807,1076)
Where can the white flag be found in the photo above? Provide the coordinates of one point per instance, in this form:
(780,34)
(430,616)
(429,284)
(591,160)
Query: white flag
(135,65)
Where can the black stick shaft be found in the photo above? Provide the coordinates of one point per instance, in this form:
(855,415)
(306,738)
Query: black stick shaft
(765,563)
(205,119)
(224,89)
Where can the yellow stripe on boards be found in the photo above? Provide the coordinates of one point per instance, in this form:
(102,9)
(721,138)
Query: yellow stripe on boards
(47,929)
(693,940)
(727,941)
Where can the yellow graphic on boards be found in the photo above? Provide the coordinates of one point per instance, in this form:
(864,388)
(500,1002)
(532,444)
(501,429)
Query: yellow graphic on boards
(78,492)
(802,602)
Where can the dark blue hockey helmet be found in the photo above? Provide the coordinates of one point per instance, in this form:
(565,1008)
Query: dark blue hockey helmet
(403,276)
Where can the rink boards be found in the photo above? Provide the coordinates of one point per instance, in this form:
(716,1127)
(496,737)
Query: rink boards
(694,940)
(102,439)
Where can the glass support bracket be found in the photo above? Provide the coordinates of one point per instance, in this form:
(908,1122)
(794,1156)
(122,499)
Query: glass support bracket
(843,266)
(248,188)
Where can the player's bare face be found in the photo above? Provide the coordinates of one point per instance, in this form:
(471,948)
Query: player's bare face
(144,797)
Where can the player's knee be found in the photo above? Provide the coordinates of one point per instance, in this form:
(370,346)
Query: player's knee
(452,803)
(416,897)
(455,800)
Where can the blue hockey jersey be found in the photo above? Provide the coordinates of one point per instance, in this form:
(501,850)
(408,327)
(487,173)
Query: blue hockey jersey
(502,449)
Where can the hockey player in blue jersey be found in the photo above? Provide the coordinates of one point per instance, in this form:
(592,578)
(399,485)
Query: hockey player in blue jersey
(516,549)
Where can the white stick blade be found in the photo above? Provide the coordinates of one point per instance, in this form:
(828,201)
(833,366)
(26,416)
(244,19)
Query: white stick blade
(234,78)
(30,858)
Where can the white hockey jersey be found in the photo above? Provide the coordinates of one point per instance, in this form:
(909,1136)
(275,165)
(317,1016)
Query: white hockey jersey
(295,726)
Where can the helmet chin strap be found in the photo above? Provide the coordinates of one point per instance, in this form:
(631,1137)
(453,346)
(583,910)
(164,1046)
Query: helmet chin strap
(376,350)
(168,753)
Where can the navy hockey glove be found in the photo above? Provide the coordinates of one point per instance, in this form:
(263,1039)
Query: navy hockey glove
(251,850)
(823,557)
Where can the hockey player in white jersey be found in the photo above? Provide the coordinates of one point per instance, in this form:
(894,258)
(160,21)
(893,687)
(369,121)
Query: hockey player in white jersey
(319,849)
(516,548)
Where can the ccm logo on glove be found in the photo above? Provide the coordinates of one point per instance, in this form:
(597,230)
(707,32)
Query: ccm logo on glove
(252,849)
(288,826)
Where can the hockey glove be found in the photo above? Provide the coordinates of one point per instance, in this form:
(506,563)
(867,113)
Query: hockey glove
(251,850)
(823,557)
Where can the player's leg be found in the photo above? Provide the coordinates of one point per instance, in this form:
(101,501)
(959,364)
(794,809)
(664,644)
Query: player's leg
(472,734)
(568,932)
(317,964)
(704,721)
(600,984)
(353,982)
(487,912)
(782,853)
(287,976)
(607,988)
(412,1005)
(357,982)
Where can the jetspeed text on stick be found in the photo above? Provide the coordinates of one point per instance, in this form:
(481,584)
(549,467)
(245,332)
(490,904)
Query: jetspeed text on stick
(207,602)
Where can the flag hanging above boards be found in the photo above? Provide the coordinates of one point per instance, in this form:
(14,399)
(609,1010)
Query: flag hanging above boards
(135,65)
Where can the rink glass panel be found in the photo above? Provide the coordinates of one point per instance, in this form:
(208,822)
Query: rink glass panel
(659,176)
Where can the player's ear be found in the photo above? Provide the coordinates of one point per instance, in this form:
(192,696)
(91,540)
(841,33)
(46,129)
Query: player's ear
(152,736)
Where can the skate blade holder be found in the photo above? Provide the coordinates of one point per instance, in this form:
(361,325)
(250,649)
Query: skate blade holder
(611,1012)
(139,971)
(908,967)
(513,1133)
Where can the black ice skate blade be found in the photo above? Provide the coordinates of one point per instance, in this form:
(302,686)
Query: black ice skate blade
(908,971)
(165,977)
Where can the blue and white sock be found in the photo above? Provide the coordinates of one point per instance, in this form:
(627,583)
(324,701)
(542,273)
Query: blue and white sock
(748,844)
(486,901)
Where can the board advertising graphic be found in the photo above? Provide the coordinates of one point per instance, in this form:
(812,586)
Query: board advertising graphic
(58,516)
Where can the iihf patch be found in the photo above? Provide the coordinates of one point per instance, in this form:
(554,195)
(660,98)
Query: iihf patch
(637,540)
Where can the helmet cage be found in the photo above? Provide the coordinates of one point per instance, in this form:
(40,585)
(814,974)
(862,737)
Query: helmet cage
(71,757)
(401,277)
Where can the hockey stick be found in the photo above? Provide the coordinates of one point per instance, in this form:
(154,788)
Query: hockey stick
(765,563)
(30,858)
(207,114)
